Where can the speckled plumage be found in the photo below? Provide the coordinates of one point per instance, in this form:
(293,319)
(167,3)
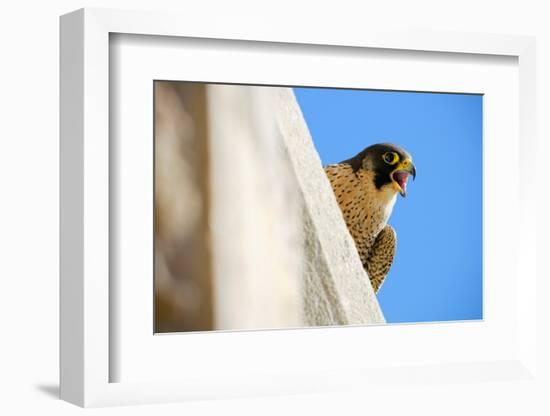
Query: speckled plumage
(367,202)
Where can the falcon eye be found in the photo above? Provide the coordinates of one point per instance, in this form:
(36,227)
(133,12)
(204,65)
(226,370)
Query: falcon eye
(391,158)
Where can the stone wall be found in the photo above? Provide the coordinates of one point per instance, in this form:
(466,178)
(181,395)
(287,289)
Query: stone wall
(248,232)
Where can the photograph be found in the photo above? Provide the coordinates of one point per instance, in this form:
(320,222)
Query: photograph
(279,207)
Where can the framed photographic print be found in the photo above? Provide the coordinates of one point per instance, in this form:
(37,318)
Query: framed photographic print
(265,214)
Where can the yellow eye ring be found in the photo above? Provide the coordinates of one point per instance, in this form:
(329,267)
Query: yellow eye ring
(391,158)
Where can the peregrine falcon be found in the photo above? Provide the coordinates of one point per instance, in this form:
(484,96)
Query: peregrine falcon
(366,187)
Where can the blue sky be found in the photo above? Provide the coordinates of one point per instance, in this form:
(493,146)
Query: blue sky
(437,272)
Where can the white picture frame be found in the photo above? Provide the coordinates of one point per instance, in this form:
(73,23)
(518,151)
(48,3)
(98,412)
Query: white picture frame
(85,301)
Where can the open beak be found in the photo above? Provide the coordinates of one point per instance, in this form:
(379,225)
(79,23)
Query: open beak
(401,174)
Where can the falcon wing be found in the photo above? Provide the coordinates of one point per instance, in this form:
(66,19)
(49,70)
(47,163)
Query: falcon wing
(381,257)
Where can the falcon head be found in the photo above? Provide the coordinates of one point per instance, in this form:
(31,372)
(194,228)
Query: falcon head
(391,165)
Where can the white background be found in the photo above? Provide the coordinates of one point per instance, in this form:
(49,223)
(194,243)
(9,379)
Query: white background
(29,205)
